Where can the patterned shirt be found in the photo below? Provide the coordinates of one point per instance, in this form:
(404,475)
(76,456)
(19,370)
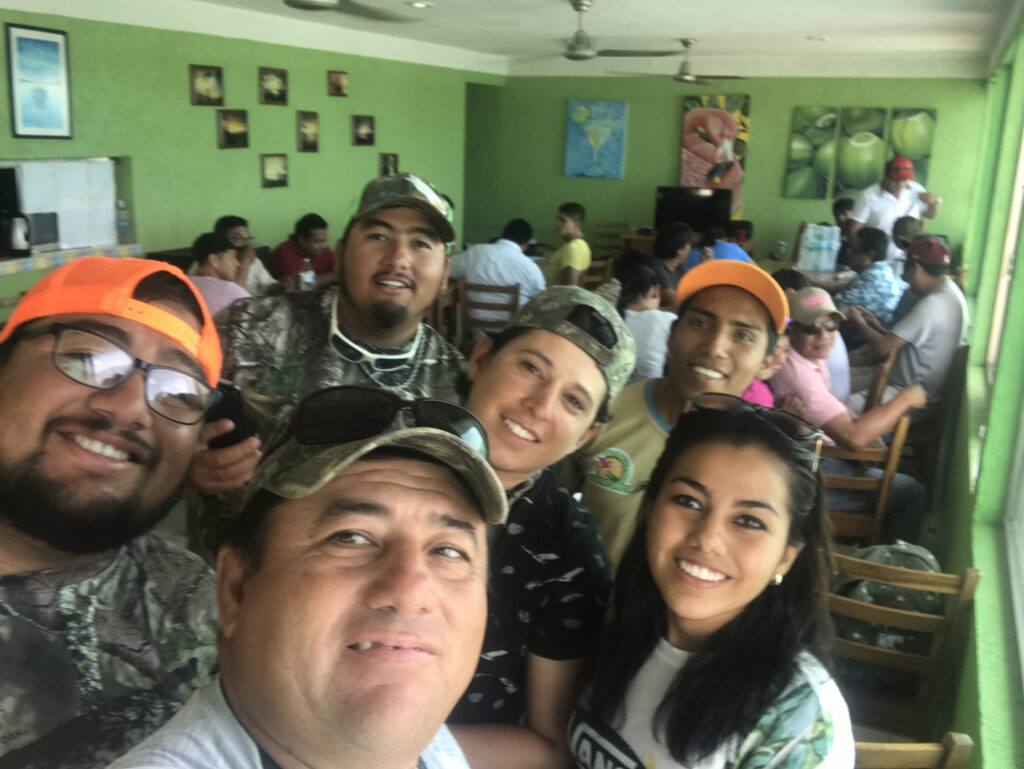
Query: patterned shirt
(876,289)
(97,657)
(549,579)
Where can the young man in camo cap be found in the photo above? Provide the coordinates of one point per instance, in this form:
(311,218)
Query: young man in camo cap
(541,387)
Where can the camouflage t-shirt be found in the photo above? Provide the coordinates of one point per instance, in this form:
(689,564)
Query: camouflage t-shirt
(93,659)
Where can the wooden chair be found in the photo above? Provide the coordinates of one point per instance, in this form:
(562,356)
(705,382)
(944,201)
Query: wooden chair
(605,239)
(914,711)
(880,380)
(597,273)
(506,302)
(865,526)
(951,753)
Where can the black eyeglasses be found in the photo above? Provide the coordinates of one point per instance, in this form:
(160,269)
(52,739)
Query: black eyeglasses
(829,324)
(93,360)
(352,413)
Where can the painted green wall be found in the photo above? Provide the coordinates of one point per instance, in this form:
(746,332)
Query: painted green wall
(130,97)
(516,135)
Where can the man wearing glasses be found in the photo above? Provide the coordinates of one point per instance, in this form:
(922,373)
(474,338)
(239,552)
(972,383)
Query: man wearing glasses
(107,367)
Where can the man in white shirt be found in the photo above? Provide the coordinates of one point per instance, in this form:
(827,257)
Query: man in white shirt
(501,263)
(897,195)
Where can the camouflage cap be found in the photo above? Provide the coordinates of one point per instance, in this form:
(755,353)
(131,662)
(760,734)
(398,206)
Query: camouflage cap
(551,310)
(409,191)
(296,470)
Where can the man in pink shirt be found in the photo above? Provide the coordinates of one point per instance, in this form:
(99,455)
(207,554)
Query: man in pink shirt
(812,333)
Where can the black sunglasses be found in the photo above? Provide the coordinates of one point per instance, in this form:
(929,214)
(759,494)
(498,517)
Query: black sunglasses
(352,412)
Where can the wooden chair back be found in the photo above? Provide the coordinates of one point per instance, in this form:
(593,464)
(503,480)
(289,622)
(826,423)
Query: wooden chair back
(881,379)
(605,239)
(951,753)
(865,525)
(915,710)
(505,301)
(597,273)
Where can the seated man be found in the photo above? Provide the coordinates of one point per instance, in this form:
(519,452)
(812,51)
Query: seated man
(107,367)
(672,245)
(501,263)
(712,246)
(875,288)
(905,231)
(842,210)
(804,375)
(215,270)
(353,600)
(565,267)
(730,316)
(252,275)
(926,339)
(304,260)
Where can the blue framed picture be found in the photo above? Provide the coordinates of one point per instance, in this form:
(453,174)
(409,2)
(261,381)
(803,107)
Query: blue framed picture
(595,139)
(40,88)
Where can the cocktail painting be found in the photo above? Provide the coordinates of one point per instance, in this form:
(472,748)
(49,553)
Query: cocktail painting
(595,139)
(40,89)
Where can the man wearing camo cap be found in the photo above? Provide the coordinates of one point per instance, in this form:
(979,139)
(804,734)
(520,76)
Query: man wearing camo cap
(541,387)
(392,261)
(352,596)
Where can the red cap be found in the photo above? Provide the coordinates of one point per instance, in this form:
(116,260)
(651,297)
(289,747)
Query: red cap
(901,169)
(928,251)
(104,285)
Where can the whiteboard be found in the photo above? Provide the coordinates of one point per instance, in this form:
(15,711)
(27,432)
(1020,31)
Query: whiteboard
(82,192)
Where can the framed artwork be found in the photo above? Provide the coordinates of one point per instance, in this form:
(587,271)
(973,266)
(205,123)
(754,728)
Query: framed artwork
(595,138)
(363,134)
(38,82)
(274,170)
(307,131)
(860,150)
(273,86)
(811,159)
(388,162)
(232,129)
(716,133)
(206,85)
(911,132)
(337,83)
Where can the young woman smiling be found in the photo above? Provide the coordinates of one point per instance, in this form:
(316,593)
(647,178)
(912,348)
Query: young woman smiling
(716,655)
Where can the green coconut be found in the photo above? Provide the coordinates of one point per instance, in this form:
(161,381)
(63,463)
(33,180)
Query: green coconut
(861,160)
(801,183)
(825,158)
(862,120)
(912,136)
(801,151)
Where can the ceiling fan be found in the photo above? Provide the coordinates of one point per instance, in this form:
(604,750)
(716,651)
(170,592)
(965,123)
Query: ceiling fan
(580,48)
(350,7)
(685,73)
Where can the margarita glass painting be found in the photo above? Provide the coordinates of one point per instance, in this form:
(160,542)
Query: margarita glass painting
(595,139)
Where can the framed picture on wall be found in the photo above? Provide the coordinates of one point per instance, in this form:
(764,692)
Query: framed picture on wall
(337,83)
(363,131)
(38,82)
(307,129)
(274,170)
(206,85)
(388,163)
(232,129)
(273,86)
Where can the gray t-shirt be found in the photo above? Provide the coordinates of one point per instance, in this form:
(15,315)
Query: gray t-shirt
(206,735)
(933,330)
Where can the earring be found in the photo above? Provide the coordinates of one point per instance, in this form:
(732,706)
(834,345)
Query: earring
(777,580)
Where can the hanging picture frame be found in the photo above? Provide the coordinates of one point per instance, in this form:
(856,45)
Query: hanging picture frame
(206,85)
(274,170)
(38,82)
(273,86)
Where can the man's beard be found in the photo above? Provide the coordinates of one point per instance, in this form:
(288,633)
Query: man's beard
(389,315)
(46,510)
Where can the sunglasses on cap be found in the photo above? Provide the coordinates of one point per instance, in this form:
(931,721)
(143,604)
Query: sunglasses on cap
(790,425)
(93,360)
(826,324)
(353,413)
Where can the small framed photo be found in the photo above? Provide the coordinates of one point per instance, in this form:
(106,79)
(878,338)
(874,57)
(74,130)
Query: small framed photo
(337,83)
(363,130)
(388,163)
(38,82)
(232,129)
(307,129)
(273,86)
(274,170)
(206,84)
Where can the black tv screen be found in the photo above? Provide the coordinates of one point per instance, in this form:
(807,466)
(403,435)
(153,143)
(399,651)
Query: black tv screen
(699,207)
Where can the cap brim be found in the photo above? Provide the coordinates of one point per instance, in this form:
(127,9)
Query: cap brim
(443,226)
(297,470)
(749,277)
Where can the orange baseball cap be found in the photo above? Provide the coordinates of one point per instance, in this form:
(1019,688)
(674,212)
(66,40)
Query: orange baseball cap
(104,285)
(749,277)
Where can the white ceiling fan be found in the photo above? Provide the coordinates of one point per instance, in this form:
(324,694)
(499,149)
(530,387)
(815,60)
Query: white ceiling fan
(350,7)
(685,73)
(579,47)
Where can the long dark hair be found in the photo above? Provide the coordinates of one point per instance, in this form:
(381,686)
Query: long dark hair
(746,664)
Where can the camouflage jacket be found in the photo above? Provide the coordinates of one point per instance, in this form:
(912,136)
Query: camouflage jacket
(93,659)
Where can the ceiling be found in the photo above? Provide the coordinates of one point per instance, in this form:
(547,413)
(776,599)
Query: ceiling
(862,38)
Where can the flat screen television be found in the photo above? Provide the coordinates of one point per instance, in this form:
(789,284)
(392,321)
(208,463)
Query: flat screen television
(699,207)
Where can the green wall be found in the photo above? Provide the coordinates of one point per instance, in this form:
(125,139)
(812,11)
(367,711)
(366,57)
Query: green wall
(516,135)
(130,98)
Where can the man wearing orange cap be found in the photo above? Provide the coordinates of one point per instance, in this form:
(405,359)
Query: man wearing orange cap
(107,368)
(730,316)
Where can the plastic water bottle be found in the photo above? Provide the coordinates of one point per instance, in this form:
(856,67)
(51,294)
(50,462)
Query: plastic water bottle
(124,224)
(307,277)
